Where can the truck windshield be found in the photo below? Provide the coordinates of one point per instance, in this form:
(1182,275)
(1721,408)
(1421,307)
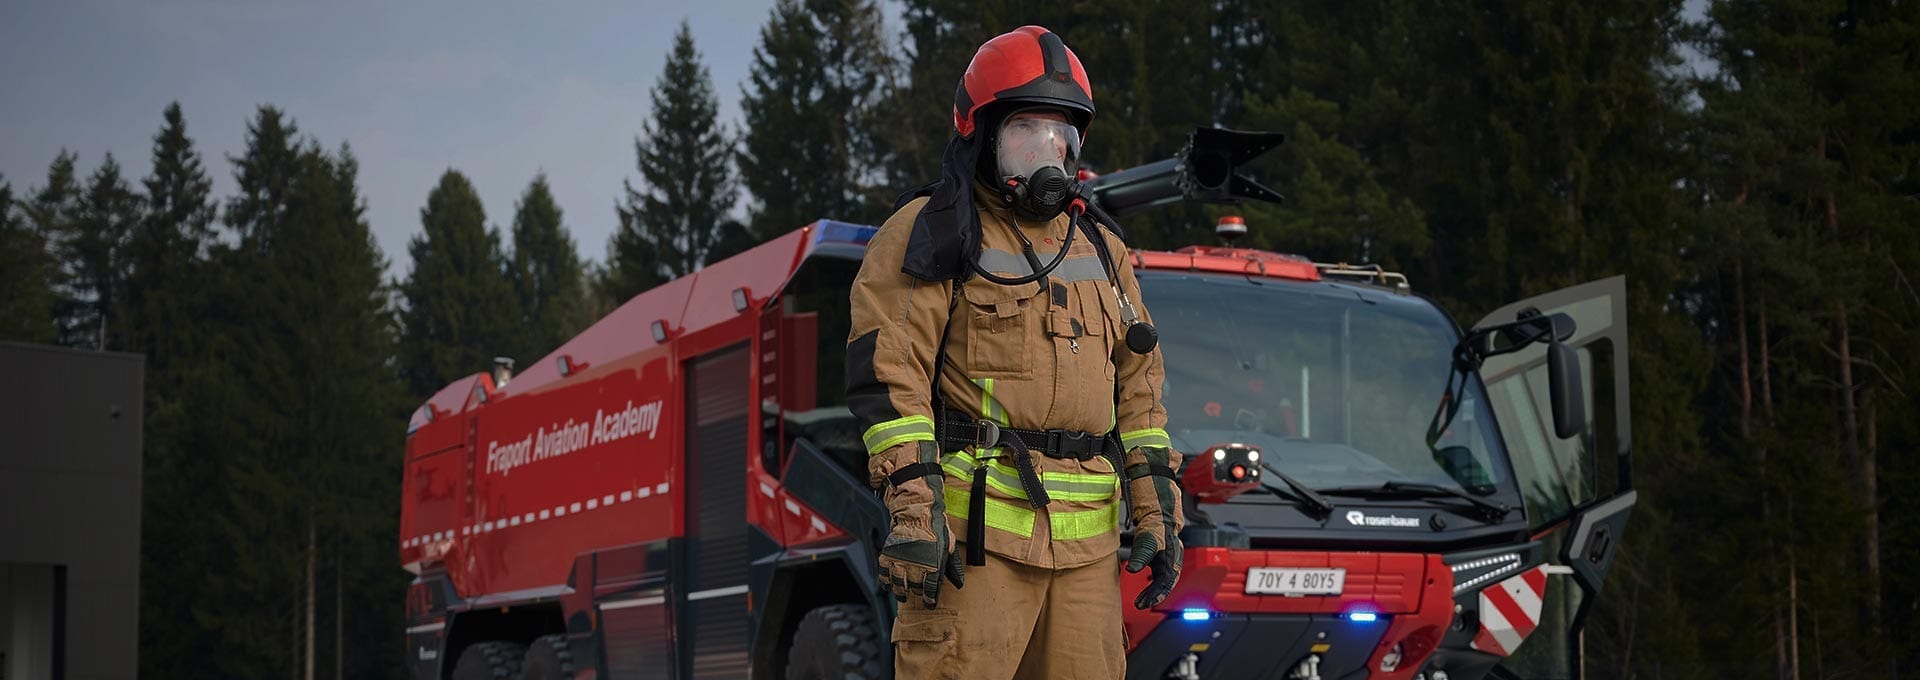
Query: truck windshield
(1334,383)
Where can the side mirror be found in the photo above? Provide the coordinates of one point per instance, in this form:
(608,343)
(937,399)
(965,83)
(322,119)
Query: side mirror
(1567,392)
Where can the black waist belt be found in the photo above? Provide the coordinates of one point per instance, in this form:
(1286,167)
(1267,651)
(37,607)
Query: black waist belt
(958,429)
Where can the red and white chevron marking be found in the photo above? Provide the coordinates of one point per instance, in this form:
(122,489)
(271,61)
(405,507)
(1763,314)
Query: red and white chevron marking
(1509,611)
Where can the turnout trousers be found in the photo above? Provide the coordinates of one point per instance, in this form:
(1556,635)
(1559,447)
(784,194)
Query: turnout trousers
(1016,621)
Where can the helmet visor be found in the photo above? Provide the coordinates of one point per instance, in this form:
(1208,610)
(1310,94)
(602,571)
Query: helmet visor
(1027,143)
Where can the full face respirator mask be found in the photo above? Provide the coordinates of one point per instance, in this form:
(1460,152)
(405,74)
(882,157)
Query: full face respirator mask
(1032,153)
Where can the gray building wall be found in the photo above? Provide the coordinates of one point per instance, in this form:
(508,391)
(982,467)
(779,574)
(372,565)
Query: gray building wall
(70,428)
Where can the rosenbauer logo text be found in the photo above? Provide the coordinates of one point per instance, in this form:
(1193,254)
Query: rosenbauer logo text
(570,436)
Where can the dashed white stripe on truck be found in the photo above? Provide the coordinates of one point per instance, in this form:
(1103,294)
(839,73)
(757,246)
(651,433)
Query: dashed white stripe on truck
(561,510)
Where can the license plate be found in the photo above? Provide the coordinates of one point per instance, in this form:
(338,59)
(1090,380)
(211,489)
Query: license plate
(1295,582)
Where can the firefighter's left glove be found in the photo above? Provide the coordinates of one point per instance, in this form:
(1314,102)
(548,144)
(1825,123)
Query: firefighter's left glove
(1157,520)
(919,550)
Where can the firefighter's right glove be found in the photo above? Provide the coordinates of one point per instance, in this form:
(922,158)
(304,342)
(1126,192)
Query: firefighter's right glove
(909,567)
(919,551)
(1157,520)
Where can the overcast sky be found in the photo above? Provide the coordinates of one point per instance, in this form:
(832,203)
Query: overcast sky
(497,90)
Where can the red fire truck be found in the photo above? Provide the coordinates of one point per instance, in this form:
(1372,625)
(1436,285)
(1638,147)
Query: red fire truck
(679,491)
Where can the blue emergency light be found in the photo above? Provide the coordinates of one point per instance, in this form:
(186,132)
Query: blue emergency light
(829,231)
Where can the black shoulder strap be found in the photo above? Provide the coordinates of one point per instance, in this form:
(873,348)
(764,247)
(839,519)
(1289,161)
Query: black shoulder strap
(1092,230)
(940,364)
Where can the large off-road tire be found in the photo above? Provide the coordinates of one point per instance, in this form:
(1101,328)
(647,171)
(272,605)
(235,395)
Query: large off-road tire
(491,660)
(838,642)
(548,658)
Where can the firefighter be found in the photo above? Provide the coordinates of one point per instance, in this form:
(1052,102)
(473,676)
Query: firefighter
(997,361)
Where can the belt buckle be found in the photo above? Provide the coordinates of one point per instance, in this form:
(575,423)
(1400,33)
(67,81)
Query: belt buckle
(1058,439)
(989,433)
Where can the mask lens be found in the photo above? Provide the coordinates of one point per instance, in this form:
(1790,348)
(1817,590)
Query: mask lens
(1029,143)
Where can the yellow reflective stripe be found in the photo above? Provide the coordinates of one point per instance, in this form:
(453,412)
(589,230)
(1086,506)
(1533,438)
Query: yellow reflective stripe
(1063,490)
(1069,486)
(1151,436)
(1001,515)
(883,436)
(989,407)
(1063,486)
(1074,526)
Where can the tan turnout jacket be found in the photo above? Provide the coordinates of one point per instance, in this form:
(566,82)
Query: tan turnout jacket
(1018,355)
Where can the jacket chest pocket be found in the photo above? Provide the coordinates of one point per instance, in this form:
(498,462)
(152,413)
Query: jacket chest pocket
(1093,327)
(1000,323)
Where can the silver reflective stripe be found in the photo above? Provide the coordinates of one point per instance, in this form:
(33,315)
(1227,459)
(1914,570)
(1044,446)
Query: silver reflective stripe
(716,592)
(628,604)
(1064,486)
(1081,268)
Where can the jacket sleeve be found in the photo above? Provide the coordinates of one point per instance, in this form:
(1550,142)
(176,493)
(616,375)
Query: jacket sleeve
(1141,419)
(896,326)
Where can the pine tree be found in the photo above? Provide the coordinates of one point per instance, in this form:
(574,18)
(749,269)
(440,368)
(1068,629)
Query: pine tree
(814,93)
(53,213)
(165,318)
(336,307)
(166,254)
(460,306)
(287,416)
(92,252)
(685,161)
(298,423)
(546,273)
(246,413)
(26,299)
(264,174)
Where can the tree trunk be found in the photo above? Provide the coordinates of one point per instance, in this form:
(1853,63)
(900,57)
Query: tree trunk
(1865,480)
(307,666)
(1793,615)
(1870,479)
(293,636)
(1740,319)
(1792,632)
(1767,527)
(1766,366)
(339,615)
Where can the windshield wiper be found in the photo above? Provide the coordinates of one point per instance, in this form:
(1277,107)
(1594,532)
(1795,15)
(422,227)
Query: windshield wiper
(1493,512)
(1320,507)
